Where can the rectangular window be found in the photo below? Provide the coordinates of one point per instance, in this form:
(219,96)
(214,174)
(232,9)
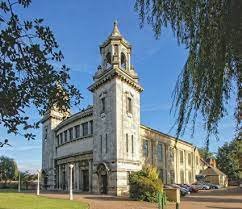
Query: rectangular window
(127,143)
(65,136)
(77,131)
(129,105)
(101,144)
(172,177)
(85,129)
(189,159)
(132,143)
(58,140)
(46,133)
(160,151)
(161,174)
(190,177)
(91,127)
(181,157)
(71,133)
(106,143)
(103,105)
(146,148)
(182,177)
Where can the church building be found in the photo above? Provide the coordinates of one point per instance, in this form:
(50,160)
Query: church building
(106,141)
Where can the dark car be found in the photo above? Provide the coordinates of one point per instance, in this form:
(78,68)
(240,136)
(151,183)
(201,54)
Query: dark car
(189,187)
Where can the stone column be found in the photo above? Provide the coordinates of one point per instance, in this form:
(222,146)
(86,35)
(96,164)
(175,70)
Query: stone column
(77,176)
(67,176)
(59,173)
(90,174)
(129,65)
(81,131)
(80,180)
(89,128)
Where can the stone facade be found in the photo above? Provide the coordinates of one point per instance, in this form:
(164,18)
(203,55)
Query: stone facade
(106,141)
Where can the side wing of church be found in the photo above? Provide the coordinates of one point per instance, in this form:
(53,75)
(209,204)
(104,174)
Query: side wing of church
(106,141)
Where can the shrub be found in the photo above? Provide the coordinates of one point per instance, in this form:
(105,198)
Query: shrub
(145,184)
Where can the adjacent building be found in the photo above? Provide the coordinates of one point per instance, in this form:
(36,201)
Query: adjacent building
(106,141)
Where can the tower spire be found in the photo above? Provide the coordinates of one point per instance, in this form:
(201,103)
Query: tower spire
(115,31)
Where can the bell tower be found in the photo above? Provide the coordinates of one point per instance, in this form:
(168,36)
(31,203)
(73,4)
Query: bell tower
(116,115)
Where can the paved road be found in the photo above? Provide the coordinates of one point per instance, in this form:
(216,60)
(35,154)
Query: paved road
(222,199)
(218,199)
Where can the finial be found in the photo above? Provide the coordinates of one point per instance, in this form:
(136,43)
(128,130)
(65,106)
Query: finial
(115,29)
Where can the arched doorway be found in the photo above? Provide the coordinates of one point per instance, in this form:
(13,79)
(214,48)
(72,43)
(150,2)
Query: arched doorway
(102,171)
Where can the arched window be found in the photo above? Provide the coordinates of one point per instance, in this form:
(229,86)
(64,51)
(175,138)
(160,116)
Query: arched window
(108,60)
(123,60)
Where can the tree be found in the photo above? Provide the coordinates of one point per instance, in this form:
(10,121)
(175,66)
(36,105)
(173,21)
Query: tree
(228,158)
(28,76)
(145,184)
(26,178)
(8,169)
(211,31)
(205,154)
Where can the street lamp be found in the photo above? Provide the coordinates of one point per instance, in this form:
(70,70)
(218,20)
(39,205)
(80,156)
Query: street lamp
(38,174)
(71,192)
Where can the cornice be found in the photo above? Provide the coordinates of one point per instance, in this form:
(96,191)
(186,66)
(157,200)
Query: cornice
(112,73)
(84,113)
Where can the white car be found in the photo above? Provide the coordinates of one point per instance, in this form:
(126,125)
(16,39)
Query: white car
(201,186)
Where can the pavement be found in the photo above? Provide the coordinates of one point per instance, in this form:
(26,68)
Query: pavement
(230,198)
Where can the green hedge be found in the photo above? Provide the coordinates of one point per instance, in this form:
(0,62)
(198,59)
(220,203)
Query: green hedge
(145,184)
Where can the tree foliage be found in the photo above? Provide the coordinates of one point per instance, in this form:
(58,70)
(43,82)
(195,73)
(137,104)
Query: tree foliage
(211,31)
(26,178)
(228,158)
(145,184)
(28,76)
(8,169)
(205,154)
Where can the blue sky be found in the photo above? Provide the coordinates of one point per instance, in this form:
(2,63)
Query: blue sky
(80,27)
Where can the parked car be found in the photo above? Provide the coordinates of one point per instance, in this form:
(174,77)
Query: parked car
(183,190)
(213,186)
(189,187)
(201,186)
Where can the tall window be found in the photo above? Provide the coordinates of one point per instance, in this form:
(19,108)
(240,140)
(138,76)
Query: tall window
(123,60)
(181,157)
(103,105)
(65,136)
(132,143)
(85,129)
(129,105)
(182,176)
(91,127)
(197,160)
(145,148)
(108,60)
(106,143)
(77,131)
(161,174)
(46,133)
(189,159)
(160,151)
(71,133)
(127,143)
(58,140)
(190,177)
(101,144)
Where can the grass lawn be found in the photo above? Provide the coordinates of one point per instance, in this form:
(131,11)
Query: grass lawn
(12,200)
